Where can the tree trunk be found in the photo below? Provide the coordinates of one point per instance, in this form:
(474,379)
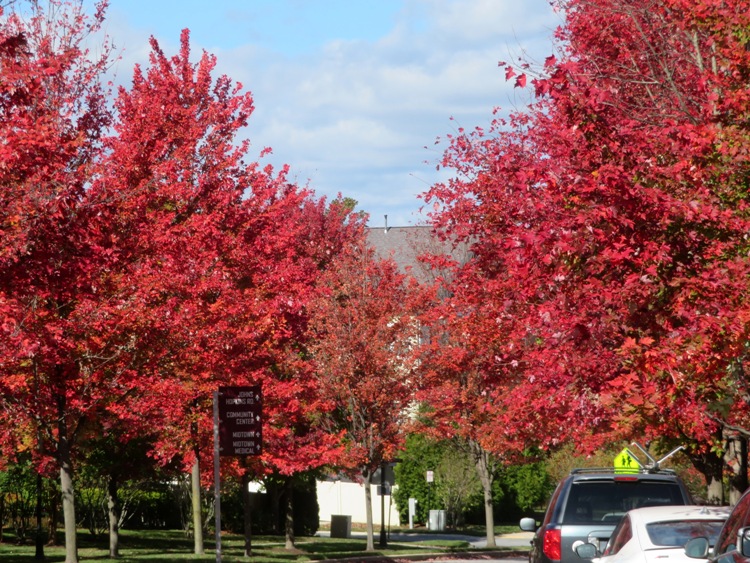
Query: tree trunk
(737,460)
(114,511)
(711,466)
(289,512)
(66,488)
(715,489)
(39,554)
(248,514)
(482,462)
(53,513)
(368,511)
(273,494)
(195,488)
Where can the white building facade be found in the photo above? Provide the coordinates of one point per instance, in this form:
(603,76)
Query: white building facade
(346,498)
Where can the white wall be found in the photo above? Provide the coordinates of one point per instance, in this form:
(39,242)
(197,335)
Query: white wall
(344,497)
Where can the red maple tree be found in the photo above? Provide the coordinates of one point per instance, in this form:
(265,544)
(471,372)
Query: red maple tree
(57,332)
(611,219)
(144,261)
(228,255)
(361,335)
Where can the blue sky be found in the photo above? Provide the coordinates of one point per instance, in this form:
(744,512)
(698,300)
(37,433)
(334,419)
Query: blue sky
(352,94)
(290,27)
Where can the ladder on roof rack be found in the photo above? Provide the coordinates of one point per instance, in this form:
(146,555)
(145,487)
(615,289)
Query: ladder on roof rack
(654,465)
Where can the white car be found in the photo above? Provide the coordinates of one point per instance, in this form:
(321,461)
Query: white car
(657,534)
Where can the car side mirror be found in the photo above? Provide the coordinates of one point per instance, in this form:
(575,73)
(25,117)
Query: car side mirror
(585,550)
(697,548)
(528,524)
(745,542)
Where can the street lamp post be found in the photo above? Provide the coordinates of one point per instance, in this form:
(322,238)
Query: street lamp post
(383,539)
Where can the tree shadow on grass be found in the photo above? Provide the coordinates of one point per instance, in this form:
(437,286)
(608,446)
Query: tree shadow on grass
(170,546)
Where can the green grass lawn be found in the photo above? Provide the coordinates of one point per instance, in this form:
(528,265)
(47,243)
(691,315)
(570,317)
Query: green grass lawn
(162,546)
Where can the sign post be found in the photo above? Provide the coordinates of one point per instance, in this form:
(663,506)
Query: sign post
(237,432)
(217,479)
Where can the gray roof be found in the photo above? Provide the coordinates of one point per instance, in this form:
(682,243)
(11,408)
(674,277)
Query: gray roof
(405,245)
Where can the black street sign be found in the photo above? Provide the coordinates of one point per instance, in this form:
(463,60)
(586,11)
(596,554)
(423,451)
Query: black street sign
(240,428)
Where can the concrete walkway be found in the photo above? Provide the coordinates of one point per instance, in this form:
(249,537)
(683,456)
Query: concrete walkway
(516,539)
(520,540)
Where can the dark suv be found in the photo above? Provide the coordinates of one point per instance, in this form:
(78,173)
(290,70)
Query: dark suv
(588,504)
(733,543)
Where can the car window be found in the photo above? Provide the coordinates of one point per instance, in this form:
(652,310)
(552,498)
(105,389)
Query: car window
(674,534)
(737,519)
(592,502)
(621,535)
(744,541)
(552,503)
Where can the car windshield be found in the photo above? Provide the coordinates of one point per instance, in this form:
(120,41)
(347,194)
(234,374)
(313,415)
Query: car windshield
(677,534)
(592,502)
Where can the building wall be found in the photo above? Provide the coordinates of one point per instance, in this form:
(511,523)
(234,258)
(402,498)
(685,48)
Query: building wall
(347,498)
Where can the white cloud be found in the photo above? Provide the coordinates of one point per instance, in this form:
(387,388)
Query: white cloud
(482,21)
(354,116)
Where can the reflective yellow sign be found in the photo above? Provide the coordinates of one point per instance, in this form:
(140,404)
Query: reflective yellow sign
(626,462)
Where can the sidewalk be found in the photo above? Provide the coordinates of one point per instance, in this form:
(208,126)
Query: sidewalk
(505,553)
(516,539)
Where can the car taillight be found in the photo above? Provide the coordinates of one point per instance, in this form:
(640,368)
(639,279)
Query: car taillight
(626,478)
(552,547)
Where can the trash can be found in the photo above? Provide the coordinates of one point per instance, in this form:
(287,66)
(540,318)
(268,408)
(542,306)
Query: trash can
(341,526)
(437,521)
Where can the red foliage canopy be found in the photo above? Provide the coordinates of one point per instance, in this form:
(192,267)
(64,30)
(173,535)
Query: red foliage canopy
(611,221)
(361,332)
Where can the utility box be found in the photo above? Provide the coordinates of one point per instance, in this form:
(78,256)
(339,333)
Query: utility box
(412,512)
(341,526)
(437,521)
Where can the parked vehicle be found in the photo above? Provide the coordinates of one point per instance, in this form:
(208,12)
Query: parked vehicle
(588,504)
(733,543)
(656,534)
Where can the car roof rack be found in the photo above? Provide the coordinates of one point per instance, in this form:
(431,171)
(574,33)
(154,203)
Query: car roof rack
(583,470)
(654,465)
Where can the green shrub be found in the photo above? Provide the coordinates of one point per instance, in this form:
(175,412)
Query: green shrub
(267,509)
(18,486)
